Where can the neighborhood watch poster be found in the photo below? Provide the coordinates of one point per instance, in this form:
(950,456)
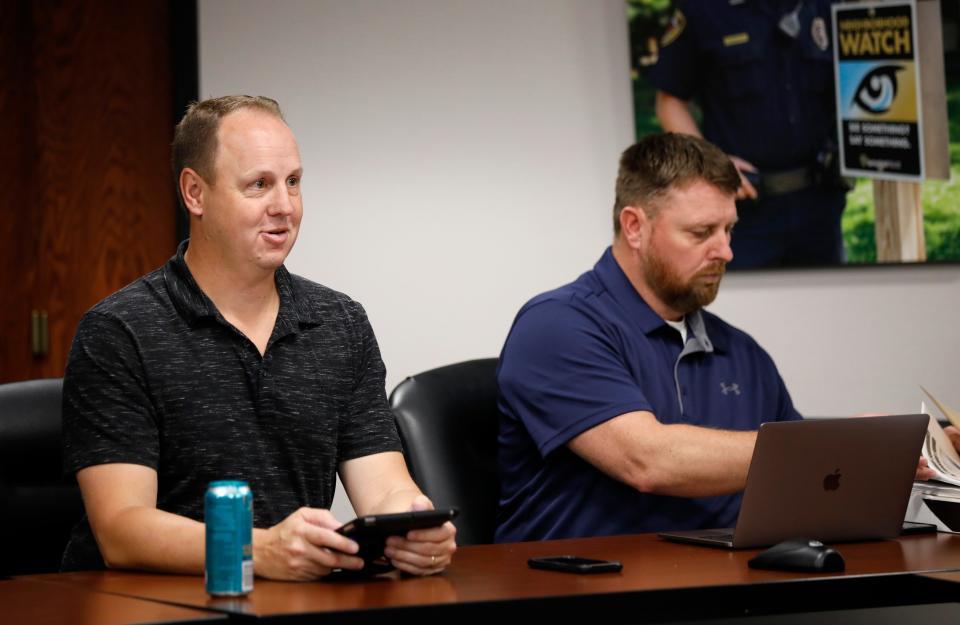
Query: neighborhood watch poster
(878,95)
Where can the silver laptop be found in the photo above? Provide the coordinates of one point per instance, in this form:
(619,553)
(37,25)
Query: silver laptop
(833,480)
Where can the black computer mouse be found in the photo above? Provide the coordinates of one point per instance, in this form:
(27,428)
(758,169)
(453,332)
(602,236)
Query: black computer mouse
(799,554)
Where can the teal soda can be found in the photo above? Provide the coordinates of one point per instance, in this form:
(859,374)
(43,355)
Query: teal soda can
(228,515)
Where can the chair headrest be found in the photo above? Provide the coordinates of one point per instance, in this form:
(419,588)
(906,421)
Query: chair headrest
(30,427)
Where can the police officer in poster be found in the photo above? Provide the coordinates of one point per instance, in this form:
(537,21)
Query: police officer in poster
(761,73)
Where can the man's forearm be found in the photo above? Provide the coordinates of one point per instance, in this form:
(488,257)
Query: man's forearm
(154,540)
(678,459)
(694,461)
(378,483)
(396,500)
(674,115)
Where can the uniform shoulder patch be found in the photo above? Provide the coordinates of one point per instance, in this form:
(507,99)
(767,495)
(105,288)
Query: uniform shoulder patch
(675,26)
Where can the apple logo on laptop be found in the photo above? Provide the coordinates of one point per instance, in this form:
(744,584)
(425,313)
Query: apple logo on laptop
(832,480)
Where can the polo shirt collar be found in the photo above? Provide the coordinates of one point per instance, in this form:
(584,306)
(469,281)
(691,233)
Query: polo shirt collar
(184,291)
(295,308)
(613,278)
(619,286)
(194,304)
(698,329)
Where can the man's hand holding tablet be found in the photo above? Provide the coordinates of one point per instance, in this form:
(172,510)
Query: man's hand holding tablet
(420,541)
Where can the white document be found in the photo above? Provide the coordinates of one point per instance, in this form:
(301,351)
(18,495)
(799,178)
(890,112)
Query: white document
(939,451)
(953,416)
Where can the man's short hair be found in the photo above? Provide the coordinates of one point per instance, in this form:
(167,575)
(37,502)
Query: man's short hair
(195,138)
(664,161)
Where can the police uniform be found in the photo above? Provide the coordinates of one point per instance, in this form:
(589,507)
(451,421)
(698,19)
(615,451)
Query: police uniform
(761,71)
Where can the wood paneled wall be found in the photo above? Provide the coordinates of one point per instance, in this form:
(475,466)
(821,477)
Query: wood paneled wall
(86,118)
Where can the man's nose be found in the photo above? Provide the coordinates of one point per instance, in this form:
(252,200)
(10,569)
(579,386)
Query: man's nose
(282,202)
(723,251)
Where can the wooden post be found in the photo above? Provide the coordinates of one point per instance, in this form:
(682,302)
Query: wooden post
(899,213)
(933,91)
(899,222)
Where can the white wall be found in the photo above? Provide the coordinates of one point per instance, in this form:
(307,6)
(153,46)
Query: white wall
(854,339)
(460,157)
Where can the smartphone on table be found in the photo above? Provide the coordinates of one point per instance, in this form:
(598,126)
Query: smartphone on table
(575,564)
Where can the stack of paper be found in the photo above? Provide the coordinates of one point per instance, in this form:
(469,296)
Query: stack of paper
(937,501)
(938,449)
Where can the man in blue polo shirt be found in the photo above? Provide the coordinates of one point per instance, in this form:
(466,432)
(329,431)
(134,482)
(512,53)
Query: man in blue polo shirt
(625,407)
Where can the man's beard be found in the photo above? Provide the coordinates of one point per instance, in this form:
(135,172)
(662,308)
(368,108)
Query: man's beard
(682,296)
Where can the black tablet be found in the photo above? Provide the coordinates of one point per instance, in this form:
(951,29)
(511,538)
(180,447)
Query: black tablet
(371,532)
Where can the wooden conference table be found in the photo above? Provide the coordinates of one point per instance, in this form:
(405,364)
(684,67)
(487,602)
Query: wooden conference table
(28,602)
(660,582)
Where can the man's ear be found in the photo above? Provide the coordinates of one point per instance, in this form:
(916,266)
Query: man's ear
(191,190)
(633,222)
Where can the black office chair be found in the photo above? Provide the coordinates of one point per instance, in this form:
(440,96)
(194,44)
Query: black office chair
(38,507)
(447,418)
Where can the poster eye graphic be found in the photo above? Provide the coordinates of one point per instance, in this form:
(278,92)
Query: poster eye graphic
(876,91)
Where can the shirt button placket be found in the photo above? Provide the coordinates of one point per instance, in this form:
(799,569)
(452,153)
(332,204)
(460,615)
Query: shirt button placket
(265,400)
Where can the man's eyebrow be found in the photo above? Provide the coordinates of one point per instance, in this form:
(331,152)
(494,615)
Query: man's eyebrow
(696,225)
(263,173)
(256,173)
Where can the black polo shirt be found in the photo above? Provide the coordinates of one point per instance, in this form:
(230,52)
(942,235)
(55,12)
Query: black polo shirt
(156,376)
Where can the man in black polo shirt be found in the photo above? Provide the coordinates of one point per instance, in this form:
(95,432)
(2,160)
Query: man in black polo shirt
(222,365)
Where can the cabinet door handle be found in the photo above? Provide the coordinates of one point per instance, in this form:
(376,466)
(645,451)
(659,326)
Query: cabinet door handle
(39,333)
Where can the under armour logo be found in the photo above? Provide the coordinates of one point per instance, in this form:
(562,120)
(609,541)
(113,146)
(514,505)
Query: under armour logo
(726,389)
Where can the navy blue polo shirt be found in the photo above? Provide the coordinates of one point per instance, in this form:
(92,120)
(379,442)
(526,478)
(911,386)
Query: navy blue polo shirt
(765,97)
(590,351)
